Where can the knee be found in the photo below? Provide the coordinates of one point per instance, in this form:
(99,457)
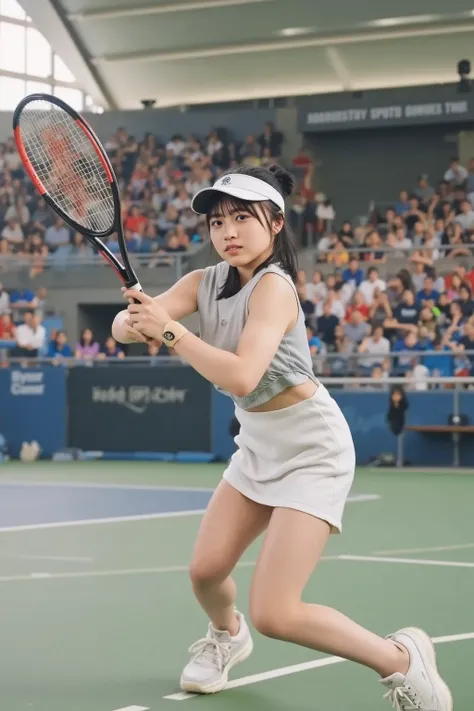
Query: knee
(207,572)
(272,620)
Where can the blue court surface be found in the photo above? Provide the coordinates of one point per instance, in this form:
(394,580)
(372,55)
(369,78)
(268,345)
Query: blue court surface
(40,504)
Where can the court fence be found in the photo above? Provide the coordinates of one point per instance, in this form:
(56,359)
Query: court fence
(173,414)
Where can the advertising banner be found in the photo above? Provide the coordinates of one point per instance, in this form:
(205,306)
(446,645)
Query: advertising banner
(33,407)
(139,409)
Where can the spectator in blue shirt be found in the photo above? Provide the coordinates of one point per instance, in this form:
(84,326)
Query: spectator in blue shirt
(427,294)
(59,347)
(353,274)
(439,365)
(407,345)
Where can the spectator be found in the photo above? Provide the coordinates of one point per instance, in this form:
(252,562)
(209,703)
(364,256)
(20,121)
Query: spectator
(59,347)
(368,286)
(357,329)
(87,347)
(326,324)
(427,296)
(353,274)
(376,349)
(30,336)
(111,350)
(4,301)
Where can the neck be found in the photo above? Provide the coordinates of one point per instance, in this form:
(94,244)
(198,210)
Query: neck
(247,272)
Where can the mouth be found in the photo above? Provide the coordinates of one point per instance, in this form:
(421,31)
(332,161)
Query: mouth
(232,249)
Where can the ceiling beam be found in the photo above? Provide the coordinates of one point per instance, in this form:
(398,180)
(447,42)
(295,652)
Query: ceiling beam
(311,40)
(339,67)
(167,8)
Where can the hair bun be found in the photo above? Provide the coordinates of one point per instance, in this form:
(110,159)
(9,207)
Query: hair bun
(285,179)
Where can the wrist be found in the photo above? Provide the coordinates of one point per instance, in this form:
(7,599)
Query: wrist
(172,332)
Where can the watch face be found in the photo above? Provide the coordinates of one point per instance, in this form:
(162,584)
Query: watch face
(168,335)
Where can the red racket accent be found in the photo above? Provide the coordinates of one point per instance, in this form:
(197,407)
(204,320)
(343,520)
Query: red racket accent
(26,162)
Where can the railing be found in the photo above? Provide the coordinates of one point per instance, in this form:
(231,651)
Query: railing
(62,262)
(327,365)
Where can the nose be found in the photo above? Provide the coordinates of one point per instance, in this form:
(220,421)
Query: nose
(230,230)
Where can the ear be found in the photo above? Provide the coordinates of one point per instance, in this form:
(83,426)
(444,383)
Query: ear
(277,225)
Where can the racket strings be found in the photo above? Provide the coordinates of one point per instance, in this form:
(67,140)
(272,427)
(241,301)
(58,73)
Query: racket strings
(66,163)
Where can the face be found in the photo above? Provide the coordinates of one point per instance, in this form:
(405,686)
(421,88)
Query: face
(241,239)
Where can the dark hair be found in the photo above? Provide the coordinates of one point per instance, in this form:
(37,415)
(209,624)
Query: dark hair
(284,249)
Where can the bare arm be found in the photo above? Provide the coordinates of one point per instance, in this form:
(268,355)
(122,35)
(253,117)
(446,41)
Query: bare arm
(273,308)
(179,301)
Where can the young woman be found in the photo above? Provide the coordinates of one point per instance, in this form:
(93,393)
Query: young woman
(295,461)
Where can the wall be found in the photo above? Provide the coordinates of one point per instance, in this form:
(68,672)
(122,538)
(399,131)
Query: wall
(355,167)
(365,413)
(171,408)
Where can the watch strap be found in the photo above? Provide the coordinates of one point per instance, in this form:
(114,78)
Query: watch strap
(172,333)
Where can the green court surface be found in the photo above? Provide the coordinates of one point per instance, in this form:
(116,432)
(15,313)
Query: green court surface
(97,615)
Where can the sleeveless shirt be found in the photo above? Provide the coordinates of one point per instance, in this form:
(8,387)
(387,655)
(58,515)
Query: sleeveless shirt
(222,321)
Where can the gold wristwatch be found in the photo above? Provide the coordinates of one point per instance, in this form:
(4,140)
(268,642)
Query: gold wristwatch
(172,332)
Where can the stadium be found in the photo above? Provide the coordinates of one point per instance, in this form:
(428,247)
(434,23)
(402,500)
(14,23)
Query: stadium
(110,452)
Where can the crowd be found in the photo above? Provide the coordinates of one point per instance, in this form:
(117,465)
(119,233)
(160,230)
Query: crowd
(362,318)
(157,180)
(417,321)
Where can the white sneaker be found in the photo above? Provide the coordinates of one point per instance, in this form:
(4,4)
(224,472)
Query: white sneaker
(421,688)
(214,656)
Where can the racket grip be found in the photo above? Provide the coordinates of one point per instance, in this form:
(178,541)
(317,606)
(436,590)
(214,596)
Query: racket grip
(133,285)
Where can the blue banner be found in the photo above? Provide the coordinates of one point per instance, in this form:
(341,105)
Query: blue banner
(33,407)
(366,415)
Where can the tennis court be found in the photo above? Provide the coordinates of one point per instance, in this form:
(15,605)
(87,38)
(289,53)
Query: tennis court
(97,611)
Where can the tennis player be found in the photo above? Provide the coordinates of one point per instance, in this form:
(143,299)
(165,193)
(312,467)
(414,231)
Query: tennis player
(294,466)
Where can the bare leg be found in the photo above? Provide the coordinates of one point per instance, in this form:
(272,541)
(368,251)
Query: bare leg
(293,546)
(231,523)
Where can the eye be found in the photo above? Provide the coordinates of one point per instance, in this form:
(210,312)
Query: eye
(244,217)
(215,223)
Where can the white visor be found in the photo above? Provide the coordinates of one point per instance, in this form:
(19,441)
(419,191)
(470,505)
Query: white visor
(240,186)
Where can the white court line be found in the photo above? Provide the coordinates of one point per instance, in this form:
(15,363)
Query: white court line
(121,572)
(142,517)
(61,558)
(108,573)
(134,708)
(93,521)
(433,549)
(407,561)
(305,666)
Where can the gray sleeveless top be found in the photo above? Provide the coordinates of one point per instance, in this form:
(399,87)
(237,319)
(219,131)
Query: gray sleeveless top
(221,323)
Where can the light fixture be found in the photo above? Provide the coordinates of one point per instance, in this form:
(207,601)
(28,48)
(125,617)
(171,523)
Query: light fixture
(395,21)
(295,31)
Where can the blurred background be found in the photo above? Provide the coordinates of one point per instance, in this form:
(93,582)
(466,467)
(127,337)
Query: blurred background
(369,104)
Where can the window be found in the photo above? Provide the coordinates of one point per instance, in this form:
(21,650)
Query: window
(38,54)
(61,71)
(38,87)
(73,97)
(12,8)
(12,91)
(12,47)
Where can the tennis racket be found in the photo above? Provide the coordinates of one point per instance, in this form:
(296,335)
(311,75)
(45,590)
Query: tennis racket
(72,172)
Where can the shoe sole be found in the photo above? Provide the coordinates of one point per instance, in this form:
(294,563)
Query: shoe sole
(193,687)
(426,647)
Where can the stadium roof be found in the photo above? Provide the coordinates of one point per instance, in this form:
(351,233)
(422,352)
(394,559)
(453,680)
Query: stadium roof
(180,52)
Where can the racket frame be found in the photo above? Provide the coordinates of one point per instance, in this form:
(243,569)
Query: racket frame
(125,271)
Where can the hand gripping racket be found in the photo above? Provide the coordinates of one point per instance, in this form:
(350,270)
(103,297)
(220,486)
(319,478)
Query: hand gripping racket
(71,170)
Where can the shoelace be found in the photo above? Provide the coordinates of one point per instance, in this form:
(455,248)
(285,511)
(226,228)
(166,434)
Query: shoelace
(403,699)
(211,650)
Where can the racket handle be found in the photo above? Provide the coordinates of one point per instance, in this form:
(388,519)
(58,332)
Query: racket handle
(136,286)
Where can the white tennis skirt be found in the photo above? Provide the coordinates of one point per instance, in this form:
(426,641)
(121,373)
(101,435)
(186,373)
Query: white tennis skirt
(300,457)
